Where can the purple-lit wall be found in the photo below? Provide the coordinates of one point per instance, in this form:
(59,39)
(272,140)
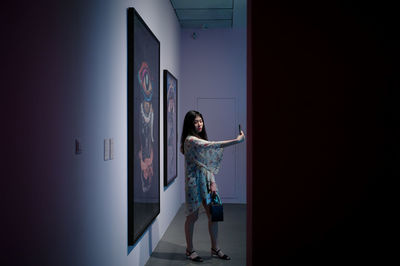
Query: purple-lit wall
(213,72)
(67,71)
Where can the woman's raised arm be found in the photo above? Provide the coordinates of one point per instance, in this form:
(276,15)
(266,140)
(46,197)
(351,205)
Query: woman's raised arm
(226,143)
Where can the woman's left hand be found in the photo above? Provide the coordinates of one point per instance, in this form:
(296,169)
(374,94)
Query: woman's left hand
(213,188)
(240,138)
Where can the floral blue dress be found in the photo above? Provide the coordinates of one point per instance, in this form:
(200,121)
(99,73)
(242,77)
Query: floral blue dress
(202,160)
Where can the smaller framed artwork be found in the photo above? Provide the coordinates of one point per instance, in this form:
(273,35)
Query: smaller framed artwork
(170,127)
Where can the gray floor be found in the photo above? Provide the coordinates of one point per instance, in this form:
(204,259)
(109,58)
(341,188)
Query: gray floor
(232,239)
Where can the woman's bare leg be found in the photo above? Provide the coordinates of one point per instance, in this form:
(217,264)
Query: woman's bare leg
(189,226)
(212,228)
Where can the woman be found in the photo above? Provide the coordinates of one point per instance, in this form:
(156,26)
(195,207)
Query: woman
(202,161)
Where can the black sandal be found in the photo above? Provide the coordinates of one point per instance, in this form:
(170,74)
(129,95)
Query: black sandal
(219,254)
(193,256)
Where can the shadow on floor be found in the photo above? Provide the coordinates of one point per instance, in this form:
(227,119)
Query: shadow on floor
(170,250)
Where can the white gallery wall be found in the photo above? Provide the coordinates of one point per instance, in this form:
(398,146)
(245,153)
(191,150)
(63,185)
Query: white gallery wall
(213,81)
(68,76)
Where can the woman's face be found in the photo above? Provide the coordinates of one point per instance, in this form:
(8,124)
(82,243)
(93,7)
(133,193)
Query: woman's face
(198,124)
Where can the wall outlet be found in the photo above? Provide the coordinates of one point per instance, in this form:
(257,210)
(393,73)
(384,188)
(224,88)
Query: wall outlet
(78,147)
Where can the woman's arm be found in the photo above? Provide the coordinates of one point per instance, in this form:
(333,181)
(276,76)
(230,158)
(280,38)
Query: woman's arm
(226,143)
(205,144)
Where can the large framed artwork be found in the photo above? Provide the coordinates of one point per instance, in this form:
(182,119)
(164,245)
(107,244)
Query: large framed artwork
(143,126)
(170,127)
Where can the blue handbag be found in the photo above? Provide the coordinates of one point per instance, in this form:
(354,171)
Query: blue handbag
(216,208)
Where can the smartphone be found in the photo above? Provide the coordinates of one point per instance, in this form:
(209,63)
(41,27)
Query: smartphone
(240,129)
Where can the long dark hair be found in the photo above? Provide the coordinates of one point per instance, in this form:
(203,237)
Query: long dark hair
(189,129)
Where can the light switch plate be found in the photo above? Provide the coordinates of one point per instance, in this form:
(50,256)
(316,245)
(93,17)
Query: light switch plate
(112,149)
(106,149)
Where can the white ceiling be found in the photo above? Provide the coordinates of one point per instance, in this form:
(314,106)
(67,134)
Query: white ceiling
(210,13)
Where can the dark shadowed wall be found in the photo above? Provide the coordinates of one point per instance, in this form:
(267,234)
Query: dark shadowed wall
(324,91)
(64,74)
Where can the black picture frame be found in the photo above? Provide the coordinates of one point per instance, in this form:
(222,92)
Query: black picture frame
(170,128)
(143,126)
